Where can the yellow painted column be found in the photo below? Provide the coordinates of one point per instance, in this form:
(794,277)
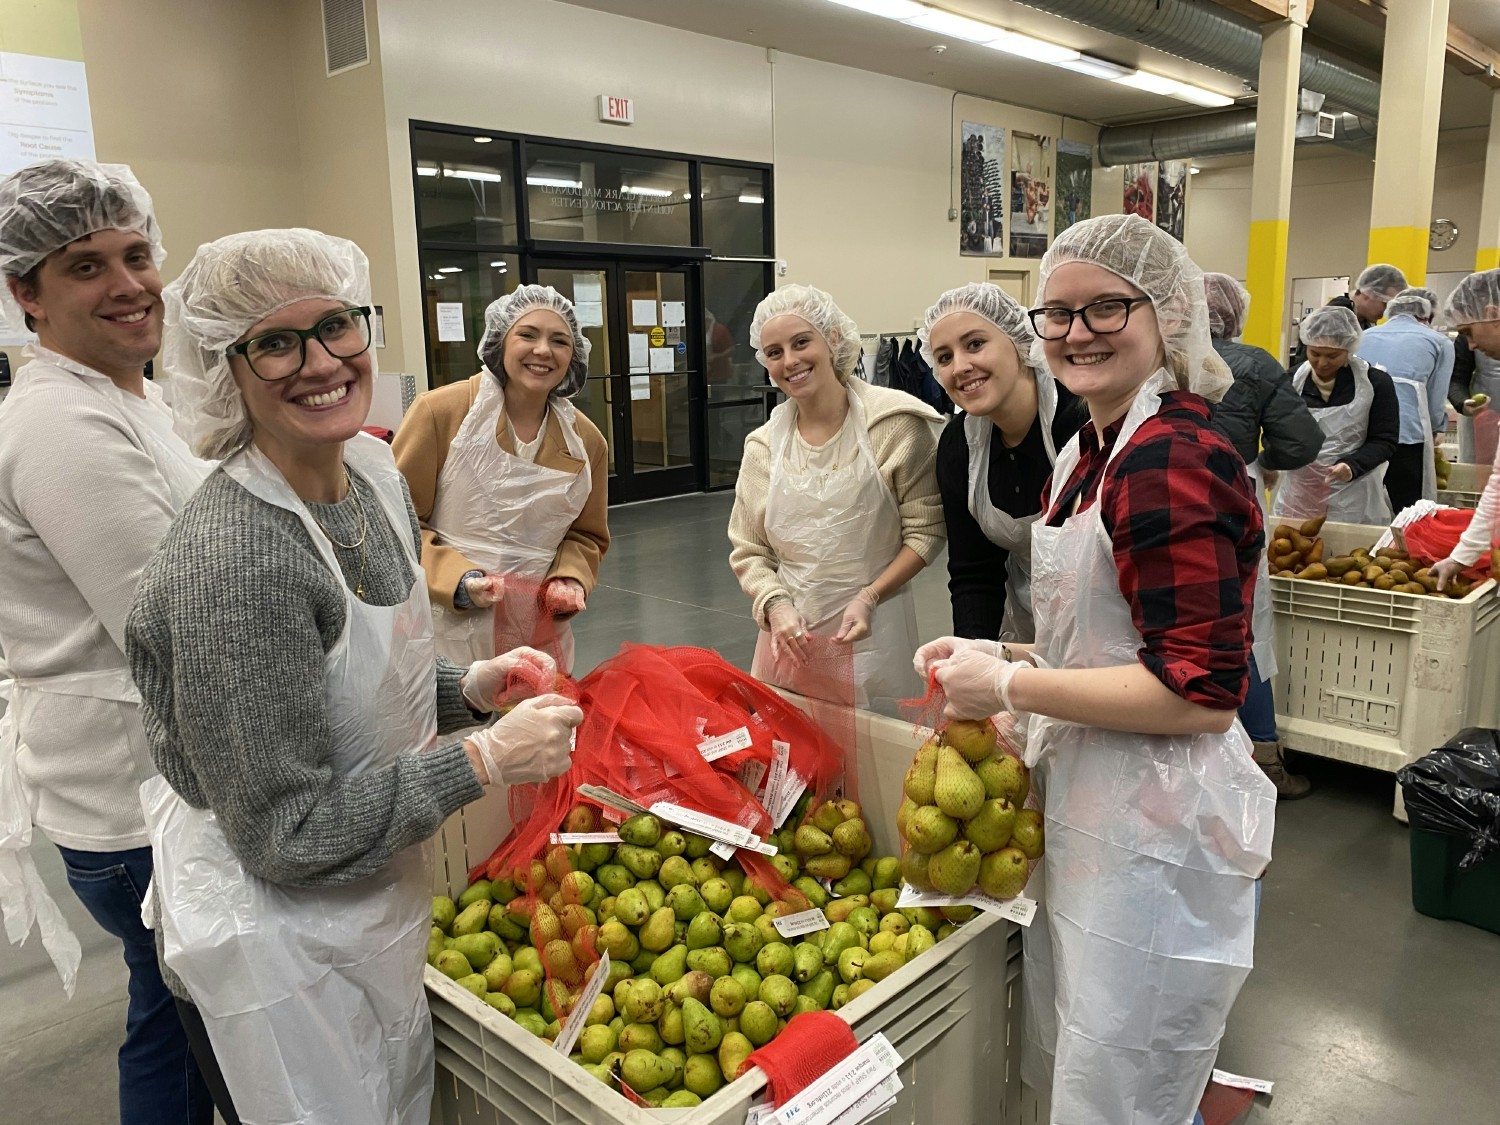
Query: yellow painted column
(1411,94)
(1271,185)
(1488,257)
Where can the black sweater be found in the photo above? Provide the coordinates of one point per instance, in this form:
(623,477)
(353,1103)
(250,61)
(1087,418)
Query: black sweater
(1385,415)
(1261,414)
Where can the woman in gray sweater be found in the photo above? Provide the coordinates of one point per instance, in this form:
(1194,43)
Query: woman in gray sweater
(282,644)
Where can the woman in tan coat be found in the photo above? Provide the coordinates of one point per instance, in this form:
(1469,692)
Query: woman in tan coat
(509,481)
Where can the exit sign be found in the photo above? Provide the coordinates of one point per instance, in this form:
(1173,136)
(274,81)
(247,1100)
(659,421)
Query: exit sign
(617,111)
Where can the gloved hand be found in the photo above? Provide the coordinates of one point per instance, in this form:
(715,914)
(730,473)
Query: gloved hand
(1339,474)
(531,743)
(944,647)
(976,683)
(484,592)
(855,625)
(1445,571)
(486,679)
(788,631)
(563,597)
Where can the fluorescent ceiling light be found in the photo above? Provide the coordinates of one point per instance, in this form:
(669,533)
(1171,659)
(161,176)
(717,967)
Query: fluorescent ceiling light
(483,140)
(450,269)
(1038,50)
(426,170)
(752,199)
(653,192)
(467,174)
(1194,171)
(890,9)
(1171,88)
(552,181)
(1094,68)
(498,265)
(960,27)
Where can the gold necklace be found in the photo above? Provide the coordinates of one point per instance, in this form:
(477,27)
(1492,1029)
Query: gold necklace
(359,544)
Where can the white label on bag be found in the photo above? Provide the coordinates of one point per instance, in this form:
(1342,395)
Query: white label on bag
(873,1104)
(1239,1082)
(843,1086)
(791,793)
(760,1115)
(770,796)
(805,922)
(585,837)
(724,744)
(723,851)
(751,774)
(580,1013)
(612,799)
(726,851)
(705,825)
(1020,910)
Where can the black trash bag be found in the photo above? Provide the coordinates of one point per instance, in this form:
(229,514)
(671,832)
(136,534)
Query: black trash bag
(1455,790)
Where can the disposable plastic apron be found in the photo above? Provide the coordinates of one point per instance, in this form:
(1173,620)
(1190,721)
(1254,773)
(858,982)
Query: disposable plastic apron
(506,515)
(1476,436)
(1153,846)
(24,898)
(1262,613)
(1429,467)
(1305,493)
(1001,528)
(833,533)
(312,996)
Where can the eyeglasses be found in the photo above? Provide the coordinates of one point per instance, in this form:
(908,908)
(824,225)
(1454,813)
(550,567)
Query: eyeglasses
(1100,317)
(279,355)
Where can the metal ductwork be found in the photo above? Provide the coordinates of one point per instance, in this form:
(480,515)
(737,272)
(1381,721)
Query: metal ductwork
(1210,134)
(1206,34)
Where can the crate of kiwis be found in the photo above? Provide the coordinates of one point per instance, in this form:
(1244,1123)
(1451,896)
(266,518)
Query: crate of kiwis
(1298,551)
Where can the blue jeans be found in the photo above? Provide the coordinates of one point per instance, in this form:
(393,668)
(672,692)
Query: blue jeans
(159,1079)
(1258,712)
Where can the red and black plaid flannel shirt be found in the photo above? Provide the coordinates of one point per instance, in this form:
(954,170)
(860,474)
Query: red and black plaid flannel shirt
(1187,535)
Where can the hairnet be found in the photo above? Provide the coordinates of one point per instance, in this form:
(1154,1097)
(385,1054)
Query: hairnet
(1332,326)
(1419,303)
(46,205)
(1476,298)
(817,308)
(988,301)
(231,285)
(1158,265)
(1228,301)
(501,317)
(1380,280)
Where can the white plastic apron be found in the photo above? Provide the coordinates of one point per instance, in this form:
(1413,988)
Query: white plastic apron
(312,996)
(1476,436)
(1429,467)
(1262,612)
(1153,846)
(999,527)
(506,515)
(1304,493)
(833,533)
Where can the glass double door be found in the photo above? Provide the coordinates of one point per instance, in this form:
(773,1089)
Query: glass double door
(645,382)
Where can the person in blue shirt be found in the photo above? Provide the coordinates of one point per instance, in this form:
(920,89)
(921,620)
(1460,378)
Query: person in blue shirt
(1420,362)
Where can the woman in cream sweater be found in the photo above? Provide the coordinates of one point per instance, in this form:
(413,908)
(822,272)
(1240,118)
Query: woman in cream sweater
(837,505)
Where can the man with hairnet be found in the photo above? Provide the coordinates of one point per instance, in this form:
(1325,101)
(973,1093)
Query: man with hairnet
(1420,363)
(91,476)
(1373,289)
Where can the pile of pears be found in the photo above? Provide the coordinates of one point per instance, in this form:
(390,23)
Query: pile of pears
(964,825)
(699,977)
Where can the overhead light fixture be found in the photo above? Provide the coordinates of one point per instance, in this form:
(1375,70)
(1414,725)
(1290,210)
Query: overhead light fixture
(470,174)
(949,23)
(651,192)
(552,181)
(1094,68)
(1038,50)
(889,9)
(498,265)
(1194,170)
(427,170)
(1172,88)
(747,198)
(483,140)
(450,269)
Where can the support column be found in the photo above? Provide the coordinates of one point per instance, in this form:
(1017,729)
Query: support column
(1411,94)
(1271,184)
(1488,257)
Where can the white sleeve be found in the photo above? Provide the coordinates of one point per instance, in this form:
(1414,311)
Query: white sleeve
(1479,536)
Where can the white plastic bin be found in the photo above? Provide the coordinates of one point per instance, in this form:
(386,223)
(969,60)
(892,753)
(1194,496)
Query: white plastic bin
(950,1014)
(1465,483)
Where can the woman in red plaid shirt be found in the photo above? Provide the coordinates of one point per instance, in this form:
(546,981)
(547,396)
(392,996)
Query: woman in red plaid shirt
(1143,569)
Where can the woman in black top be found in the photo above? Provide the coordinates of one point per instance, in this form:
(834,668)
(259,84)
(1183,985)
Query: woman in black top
(993,460)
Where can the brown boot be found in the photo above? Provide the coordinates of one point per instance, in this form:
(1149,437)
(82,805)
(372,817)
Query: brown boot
(1289,786)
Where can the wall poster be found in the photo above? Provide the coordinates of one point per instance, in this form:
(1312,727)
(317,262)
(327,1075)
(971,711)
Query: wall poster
(1140,191)
(1171,196)
(1075,185)
(1030,195)
(981,225)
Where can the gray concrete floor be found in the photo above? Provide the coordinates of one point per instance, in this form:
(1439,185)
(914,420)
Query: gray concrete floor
(1362,1011)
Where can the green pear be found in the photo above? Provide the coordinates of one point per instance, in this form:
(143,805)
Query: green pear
(614,877)
(958,791)
(443,911)
(705,868)
(852,839)
(854,883)
(671,1027)
(990,828)
(694,983)
(453,964)
(1027,835)
(659,931)
(644,1002)
(670,966)
(704,1031)
(921,777)
(596,1042)
(479,948)
(713,960)
(478,891)
(498,971)
(840,909)
(851,963)
(812,890)
(436,943)
(502,927)
(717,894)
(697,846)
(617,940)
(743,909)
(832,866)
(531,1020)
(656,894)
(811,840)
(473,918)
(474,982)
(839,937)
(780,993)
(728,997)
(819,989)
(675,1057)
(742,941)
(676,871)
(775,959)
(704,930)
(919,939)
(686,902)
(640,1037)
(501,1003)
(642,1070)
(641,862)
(866,920)
(749,980)
(827,817)
(701,1074)
(974,739)
(681,1099)
(672,843)
(878,966)
(807,961)
(642,830)
(930,830)
(758,1022)
(734,1049)
(1003,874)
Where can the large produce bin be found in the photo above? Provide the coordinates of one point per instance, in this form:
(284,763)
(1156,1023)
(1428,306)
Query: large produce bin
(1465,483)
(951,1013)
(1379,678)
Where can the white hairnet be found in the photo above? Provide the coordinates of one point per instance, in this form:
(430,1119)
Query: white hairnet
(1380,280)
(501,317)
(1477,298)
(983,299)
(1158,265)
(1332,326)
(231,285)
(1228,302)
(1419,303)
(46,205)
(817,308)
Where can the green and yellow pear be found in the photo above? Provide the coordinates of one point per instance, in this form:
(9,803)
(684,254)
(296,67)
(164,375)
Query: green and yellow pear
(921,777)
(929,830)
(954,870)
(989,829)
(974,739)
(1028,833)
(1002,874)
(958,791)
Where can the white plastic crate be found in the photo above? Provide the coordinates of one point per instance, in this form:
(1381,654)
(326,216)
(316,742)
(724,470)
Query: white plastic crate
(1379,678)
(952,1014)
(1465,483)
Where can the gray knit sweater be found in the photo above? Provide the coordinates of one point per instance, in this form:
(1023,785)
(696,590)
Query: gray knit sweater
(226,642)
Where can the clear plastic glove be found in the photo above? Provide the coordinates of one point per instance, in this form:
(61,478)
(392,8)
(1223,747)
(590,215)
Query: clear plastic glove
(563,597)
(486,679)
(1445,571)
(945,647)
(484,592)
(788,631)
(976,683)
(1338,474)
(531,743)
(855,625)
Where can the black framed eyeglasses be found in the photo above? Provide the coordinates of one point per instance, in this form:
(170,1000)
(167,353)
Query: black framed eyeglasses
(1100,317)
(278,355)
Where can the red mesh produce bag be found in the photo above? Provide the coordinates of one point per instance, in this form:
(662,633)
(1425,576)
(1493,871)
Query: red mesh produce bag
(826,681)
(522,617)
(1433,537)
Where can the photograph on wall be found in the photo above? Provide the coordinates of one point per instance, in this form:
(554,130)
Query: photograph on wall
(1140,191)
(1073,198)
(982,191)
(1171,196)
(1030,195)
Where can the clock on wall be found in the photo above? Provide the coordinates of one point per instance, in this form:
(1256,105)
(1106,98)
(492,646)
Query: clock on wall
(1442,234)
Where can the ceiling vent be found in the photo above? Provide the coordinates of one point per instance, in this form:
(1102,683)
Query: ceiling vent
(345,44)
